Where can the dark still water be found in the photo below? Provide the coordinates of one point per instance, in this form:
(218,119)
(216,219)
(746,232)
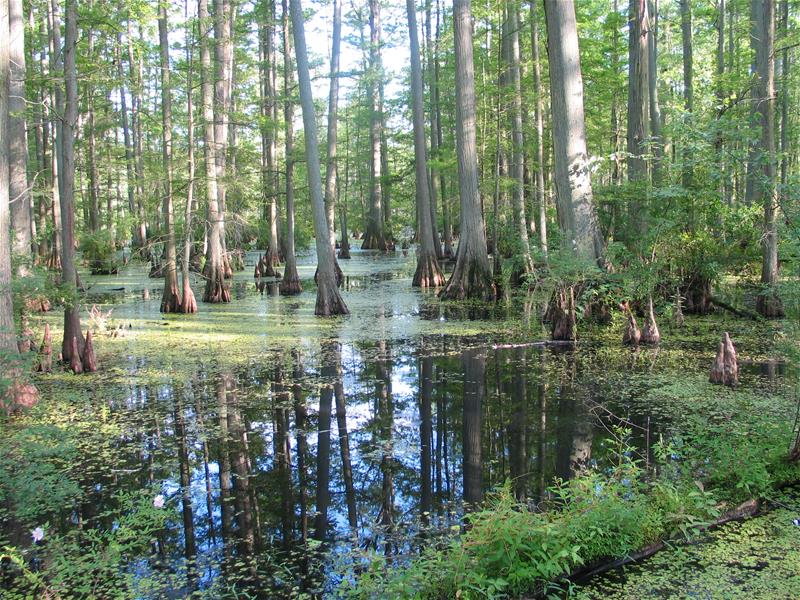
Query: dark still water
(285,474)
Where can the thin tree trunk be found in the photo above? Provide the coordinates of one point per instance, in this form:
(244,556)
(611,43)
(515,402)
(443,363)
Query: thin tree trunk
(223,61)
(472,277)
(785,93)
(657,143)
(428,273)
(130,179)
(541,198)
(329,301)
(188,303)
(8,340)
(616,174)
(331,163)
(721,93)
(214,271)
(688,90)
(136,113)
(171,297)
(73,338)
(447,228)
(19,193)
(268,138)
(91,159)
(513,61)
(374,236)
(57,107)
(290,285)
(638,108)
(768,303)
(430,59)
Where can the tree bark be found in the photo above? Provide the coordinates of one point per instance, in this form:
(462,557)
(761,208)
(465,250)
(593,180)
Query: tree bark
(290,285)
(784,100)
(513,61)
(541,198)
(268,137)
(136,131)
(762,163)
(721,93)
(73,338)
(374,236)
(214,271)
(130,179)
(430,59)
(331,163)
(688,88)
(19,193)
(8,340)
(638,107)
(656,142)
(574,199)
(428,273)
(472,277)
(329,301)
(223,61)
(447,228)
(57,106)
(171,297)
(188,304)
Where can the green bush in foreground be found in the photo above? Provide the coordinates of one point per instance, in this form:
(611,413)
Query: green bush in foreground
(509,549)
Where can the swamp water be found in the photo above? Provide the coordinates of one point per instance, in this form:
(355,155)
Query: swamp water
(289,448)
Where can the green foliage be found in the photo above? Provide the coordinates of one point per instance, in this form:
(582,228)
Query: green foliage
(99,252)
(508,549)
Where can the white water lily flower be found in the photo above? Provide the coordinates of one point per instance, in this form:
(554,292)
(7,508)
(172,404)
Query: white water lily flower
(37,534)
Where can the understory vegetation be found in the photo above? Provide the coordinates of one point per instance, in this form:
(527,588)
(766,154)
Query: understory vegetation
(730,449)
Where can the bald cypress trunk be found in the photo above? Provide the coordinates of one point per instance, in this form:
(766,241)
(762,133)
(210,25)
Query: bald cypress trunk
(430,59)
(57,103)
(290,285)
(688,85)
(73,338)
(171,298)
(638,108)
(657,143)
(214,272)
(8,341)
(329,301)
(269,182)
(18,143)
(472,276)
(428,273)
(541,200)
(513,62)
(374,236)
(188,303)
(763,160)
(574,199)
(223,61)
(331,164)
(130,176)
